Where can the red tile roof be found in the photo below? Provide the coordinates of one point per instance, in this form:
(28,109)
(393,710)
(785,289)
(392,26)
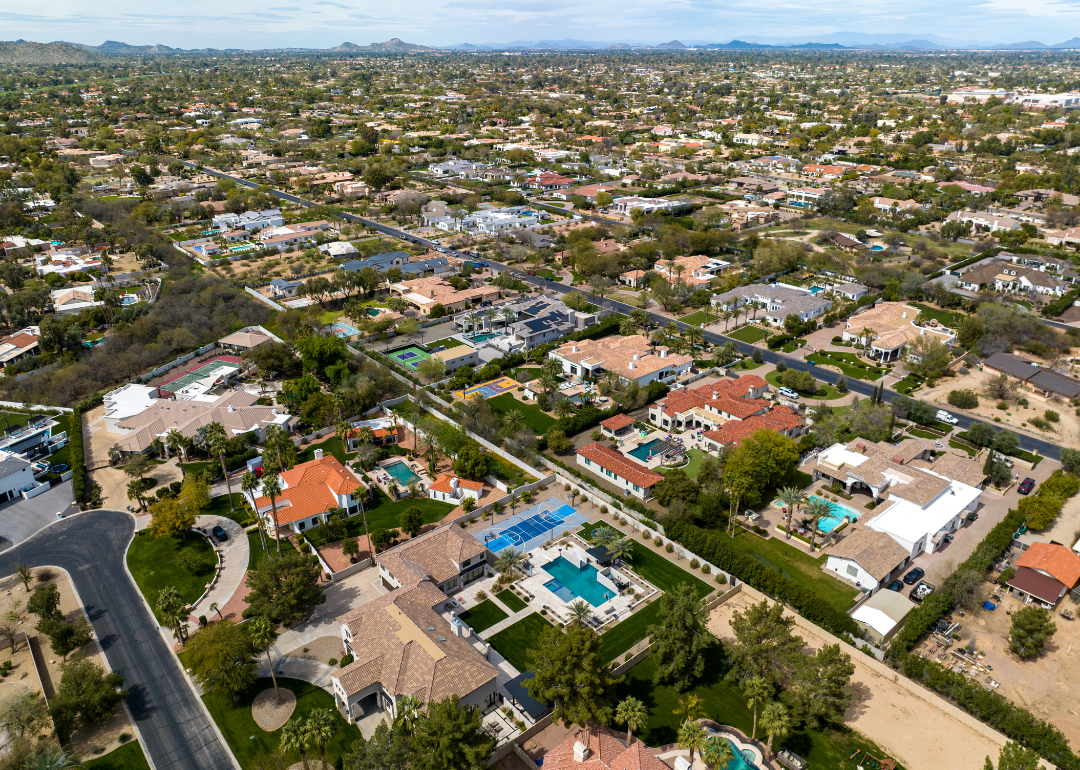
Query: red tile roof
(620,465)
(779,418)
(310,489)
(732,397)
(606,752)
(1055,560)
(617,422)
(443,484)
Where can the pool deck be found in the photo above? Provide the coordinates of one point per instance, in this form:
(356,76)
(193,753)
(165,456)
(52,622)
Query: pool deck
(629,444)
(383,478)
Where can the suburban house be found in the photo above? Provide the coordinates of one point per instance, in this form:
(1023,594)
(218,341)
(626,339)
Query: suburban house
(779,418)
(380,262)
(400,642)
(456,357)
(284,236)
(538,321)
(16,476)
(451,489)
(488,220)
(711,406)
(425,293)
(632,203)
(1044,382)
(851,291)
(599,748)
(453,167)
(68,301)
(805,308)
(1012,278)
(777,300)
(866,557)
(20,345)
(882,615)
(618,469)
(1045,572)
(984,220)
(695,271)
(920,499)
(249,220)
(246,339)
(309,493)
(891,328)
(889,205)
(632,358)
(753,140)
(280,288)
(385,431)
(338,249)
(618,427)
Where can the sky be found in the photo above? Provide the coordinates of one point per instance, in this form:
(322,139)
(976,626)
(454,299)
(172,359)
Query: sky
(253,24)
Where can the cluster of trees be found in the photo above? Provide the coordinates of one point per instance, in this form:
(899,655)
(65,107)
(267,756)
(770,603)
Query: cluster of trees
(864,419)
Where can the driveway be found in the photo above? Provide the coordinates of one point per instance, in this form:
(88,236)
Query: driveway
(20,519)
(175,728)
(234,559)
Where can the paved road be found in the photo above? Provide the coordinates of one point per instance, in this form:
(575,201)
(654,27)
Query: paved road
(860,387)
(20,519)
(91,547)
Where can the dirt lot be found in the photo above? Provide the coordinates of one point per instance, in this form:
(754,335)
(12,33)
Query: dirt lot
(113,481)
(914,726)
(1066,432)
(1043,684)
(87,743)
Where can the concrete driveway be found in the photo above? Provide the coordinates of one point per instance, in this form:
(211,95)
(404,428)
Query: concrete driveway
(234,558)
(20,519)
(172,721)
(352,592)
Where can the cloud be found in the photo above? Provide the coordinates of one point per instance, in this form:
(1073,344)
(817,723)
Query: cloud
(285,8)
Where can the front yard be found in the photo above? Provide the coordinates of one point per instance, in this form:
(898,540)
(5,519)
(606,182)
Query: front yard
(157,563)
(749,334)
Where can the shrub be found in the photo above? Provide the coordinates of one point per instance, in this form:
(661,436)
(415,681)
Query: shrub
(1002,405)
(1040,423)
(657,541)
(1052,416)
(694,564)
(963,399)
(1006,576)
(332,661)
(706,568)
(669,548)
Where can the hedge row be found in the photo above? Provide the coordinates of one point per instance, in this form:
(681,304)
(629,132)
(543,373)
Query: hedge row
(1061,304)
(993,709)
(779,340)
(78,463)
(713,549)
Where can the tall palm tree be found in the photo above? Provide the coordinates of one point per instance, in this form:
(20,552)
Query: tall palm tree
(174,440)
(690,708)
(791,498)
(262,635)
(271,487)
(215,442)
(718,753)
(551,367)
(727,315)
(580,611)
(273,436)
(508,316)
(621,549)
(632,713)
(295,737)
(639,317)
(514,420)
(134,492)
(408,711)
(342,429)
(510,561)
(692,736)
(756,690)
(473,318)
(563,407)
(775,722)
(694,336)
(548,383)
(249,482)
(320,729)
(868,335)
(816,508)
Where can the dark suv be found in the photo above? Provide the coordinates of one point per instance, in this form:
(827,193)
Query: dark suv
(220,534)
(914,576)
(1026,486)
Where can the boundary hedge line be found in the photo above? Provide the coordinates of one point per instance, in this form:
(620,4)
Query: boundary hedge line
(78,462)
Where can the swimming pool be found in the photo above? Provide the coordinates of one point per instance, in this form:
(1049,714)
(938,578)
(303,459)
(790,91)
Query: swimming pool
(642,450)
(571,582)
(342,329)
(744,758)
(838,512)
(403,473)
(372,311)
(482,337)
(877,248)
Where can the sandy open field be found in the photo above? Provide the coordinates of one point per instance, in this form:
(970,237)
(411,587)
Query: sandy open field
(914,726)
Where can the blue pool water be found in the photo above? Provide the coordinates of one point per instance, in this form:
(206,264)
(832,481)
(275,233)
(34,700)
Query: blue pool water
(482,337)
(642,450)
(371,311)
(831,522)
(877,248)
(403,473)
(571,582)
(816,290)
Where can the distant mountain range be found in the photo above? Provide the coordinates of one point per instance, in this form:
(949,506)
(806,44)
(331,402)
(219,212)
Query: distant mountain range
(394,45)
(27,52)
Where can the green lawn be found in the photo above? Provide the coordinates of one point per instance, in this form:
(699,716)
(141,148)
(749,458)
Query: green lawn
(256,554)
(692,468)
(152,561)
(248,741)
(750,334)
(18,419)
(511,600)
(747,364)
(726,704)
(825,391)
(514,642)
(947,317)
(848,363)
(219,506)
(382,513)
(795,565)
(329,446)
(446,342)
(483,616)
(535,417)
(128,757)
(698,317)
(924,434)
(969,449)
(908,384)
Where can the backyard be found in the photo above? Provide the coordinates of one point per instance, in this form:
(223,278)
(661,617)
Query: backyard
(483,616)
(248,741)
(383,513)
(750,334)
(690,469)
(511,600)
(157,563)
(514,642)
(535,417)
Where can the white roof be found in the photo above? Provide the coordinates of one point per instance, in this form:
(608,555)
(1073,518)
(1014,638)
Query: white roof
(838,454)
(874,618)
(906,521)
(129,400)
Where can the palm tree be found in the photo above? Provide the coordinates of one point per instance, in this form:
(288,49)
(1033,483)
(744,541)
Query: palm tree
(320,729)
(215,441)
(262,636)
(548,383)
(757,690)
(605,535)
(134,492)
(273,436)
(491,314)
(408,711)
(510,561)
(727,315)
(551,367)
(271,487)
(580,611)
(174,440)
(473,318)
(342,429)
(775,722)
(816,508)
(692,736)
(249,482)
(627,326)
(295,737)
(690,708)
(632,713)
(563,407)
(694,336)
(868,335)
(621,549)
(791,498)
(514,420)
(718,753)
(639,317)
(508,316)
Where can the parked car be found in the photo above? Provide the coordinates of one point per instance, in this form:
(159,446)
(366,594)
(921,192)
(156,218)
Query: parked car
(948,537)
(220,533)
(896,585)
(1026,486)
(946,417)
(788,393)
(914,576)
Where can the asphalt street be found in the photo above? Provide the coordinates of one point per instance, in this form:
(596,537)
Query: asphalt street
(861,387)
(91,546)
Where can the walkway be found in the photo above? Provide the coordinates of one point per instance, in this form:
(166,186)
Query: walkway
(234,559)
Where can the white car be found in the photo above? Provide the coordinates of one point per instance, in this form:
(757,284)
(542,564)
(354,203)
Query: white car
(946,417)
(789,393)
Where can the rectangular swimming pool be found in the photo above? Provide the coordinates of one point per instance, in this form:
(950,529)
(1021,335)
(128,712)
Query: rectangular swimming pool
(403,473)
(571,582)
(642,451)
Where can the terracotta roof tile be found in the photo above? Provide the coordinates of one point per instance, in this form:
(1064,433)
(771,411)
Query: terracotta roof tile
(1056,560)
(621,465)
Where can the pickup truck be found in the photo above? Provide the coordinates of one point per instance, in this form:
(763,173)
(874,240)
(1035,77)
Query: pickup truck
(946,417)
(920,592)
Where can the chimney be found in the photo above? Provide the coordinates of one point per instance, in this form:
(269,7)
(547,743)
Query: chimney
(632,365)
(318,454)
(663,352)
(573,349)
(905,314)
(454,483)
(581,752)
(637,357)
(232,408)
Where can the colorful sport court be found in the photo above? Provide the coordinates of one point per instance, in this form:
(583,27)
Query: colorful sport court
(218,365)
(342,329)
(532,527)
(411,356)
(495,387)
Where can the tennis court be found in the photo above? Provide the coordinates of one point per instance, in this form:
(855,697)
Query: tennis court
(214,367)
(342,329)
(488,389)
(411,356)
(533,526)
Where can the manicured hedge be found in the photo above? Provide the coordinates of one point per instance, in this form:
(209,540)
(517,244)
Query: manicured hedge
(1061,304)
(779,340)
(78,463)
(713,549)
